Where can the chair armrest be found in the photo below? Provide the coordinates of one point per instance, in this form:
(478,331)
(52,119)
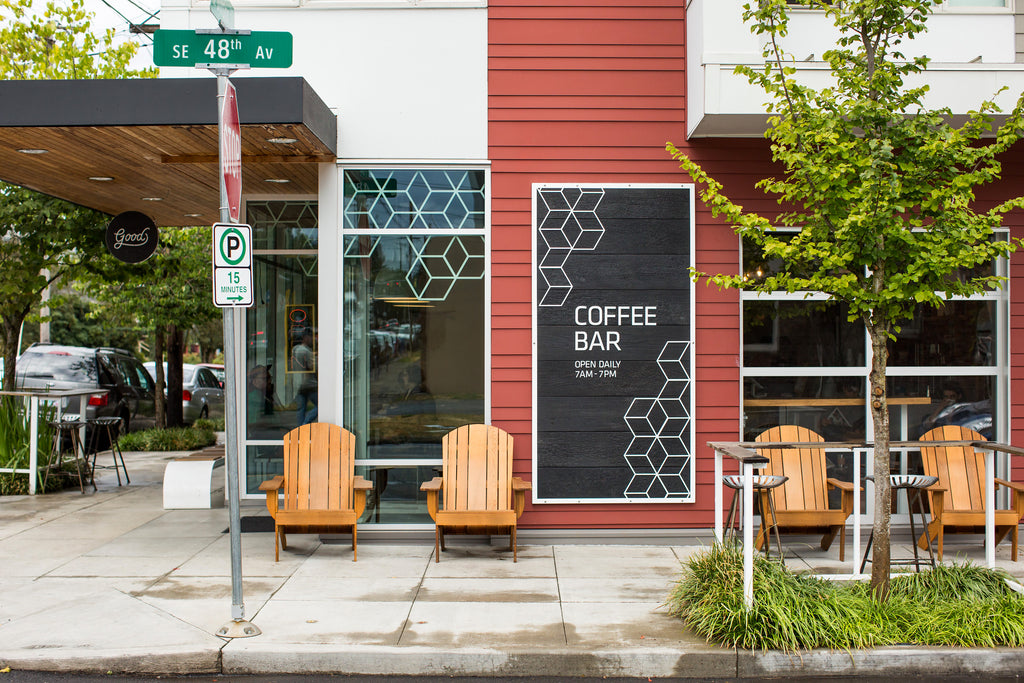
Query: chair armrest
(432,485)
(274,484)
(837,484)
(433,489)
(361,483)
(1010,485)
(519,489)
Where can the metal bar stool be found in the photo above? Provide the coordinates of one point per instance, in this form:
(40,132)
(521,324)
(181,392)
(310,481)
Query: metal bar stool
(111,428)
(67,429)
(913,485)
(761,483)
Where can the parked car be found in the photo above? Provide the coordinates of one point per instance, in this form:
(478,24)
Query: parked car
(218,371)
(130,388)
(202,394)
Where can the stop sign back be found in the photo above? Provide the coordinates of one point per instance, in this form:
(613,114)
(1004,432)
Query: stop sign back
(231,152)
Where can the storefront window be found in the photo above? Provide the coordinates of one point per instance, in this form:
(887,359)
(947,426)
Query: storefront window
(800,333)
(281,341)
(418,199)
(956,334)
(414,324)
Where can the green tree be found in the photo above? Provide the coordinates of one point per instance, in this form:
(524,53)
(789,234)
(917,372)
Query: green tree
(43,239)
(77,321)
(881,188)
(168,294)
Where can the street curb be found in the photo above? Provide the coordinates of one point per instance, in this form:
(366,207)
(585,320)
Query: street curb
(166,661)
(246,658)
(910,660)
(408,661)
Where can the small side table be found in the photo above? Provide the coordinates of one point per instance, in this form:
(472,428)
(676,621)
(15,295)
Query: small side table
(912,485)
(760,483)
(67,429)
(109,428)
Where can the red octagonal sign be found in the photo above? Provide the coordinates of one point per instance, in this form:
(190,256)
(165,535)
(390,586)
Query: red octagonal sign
(231,152)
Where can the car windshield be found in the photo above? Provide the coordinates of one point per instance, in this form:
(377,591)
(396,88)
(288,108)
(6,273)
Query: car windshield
(57,365)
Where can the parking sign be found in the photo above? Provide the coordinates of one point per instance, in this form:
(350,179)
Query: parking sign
(232,265)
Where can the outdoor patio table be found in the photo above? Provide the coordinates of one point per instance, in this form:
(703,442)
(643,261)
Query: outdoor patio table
(34,396)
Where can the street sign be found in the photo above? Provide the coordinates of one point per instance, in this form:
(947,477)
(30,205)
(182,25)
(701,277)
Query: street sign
(232,265)
(256,49)
(224,12)
(231,152)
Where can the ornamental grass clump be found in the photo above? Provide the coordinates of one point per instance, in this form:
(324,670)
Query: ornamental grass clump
(960,605)
(171,439)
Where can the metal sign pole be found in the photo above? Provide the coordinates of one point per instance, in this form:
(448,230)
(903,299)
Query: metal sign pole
(238,627)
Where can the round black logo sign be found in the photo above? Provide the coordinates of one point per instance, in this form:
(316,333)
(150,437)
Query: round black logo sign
(131,237)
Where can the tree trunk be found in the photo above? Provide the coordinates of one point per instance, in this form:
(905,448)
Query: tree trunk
(880,558)
(161,380)
(175,354)
(10,330)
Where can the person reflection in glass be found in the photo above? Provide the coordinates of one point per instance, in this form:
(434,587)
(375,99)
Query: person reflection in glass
(304,361)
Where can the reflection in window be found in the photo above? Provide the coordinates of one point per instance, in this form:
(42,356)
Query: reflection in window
(957,333)
(280,224)
(281,392)
(918,404)
(800,333)
(278,394)
(834,407)
(414,365)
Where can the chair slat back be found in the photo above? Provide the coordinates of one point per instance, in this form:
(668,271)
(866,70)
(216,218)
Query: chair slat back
(319,467)
(960,469)
(477,474)
(805,467)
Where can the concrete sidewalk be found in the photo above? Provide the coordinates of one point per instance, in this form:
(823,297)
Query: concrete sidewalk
(111,582)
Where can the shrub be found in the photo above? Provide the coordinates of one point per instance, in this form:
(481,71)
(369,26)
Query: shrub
(960,605)
(172,439)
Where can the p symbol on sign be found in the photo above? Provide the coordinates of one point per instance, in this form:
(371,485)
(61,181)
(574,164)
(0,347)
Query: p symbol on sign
(231,245)
(234,243)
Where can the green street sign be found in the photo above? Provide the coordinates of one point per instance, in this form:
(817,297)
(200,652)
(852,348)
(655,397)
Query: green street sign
(224,12)
(258,49)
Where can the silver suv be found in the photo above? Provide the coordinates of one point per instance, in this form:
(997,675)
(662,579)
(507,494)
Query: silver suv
(129,387)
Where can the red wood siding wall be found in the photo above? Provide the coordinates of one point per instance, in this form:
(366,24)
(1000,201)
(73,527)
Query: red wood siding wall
(1011,184)
(588,91)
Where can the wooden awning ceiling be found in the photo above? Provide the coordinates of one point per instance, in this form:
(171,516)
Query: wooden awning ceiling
(151,145)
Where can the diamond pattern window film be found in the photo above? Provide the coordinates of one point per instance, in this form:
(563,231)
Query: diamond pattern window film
(423,199)
(437,262)
(280,224)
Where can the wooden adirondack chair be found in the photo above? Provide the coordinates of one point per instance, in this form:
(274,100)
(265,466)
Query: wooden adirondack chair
(801,503)
(480,495)
(957,500)
(321,492)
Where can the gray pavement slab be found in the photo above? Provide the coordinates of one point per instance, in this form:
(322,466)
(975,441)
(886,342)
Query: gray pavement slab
(110,581)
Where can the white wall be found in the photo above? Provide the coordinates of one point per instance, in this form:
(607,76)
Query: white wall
(406,83)
(972,55)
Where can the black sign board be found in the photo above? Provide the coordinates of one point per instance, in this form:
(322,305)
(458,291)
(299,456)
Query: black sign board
(131,237)
(613,358)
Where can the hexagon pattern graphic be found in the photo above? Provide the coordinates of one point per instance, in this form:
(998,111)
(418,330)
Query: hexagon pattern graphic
(438,262)
(659,455)
(425,199)
(568,223)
